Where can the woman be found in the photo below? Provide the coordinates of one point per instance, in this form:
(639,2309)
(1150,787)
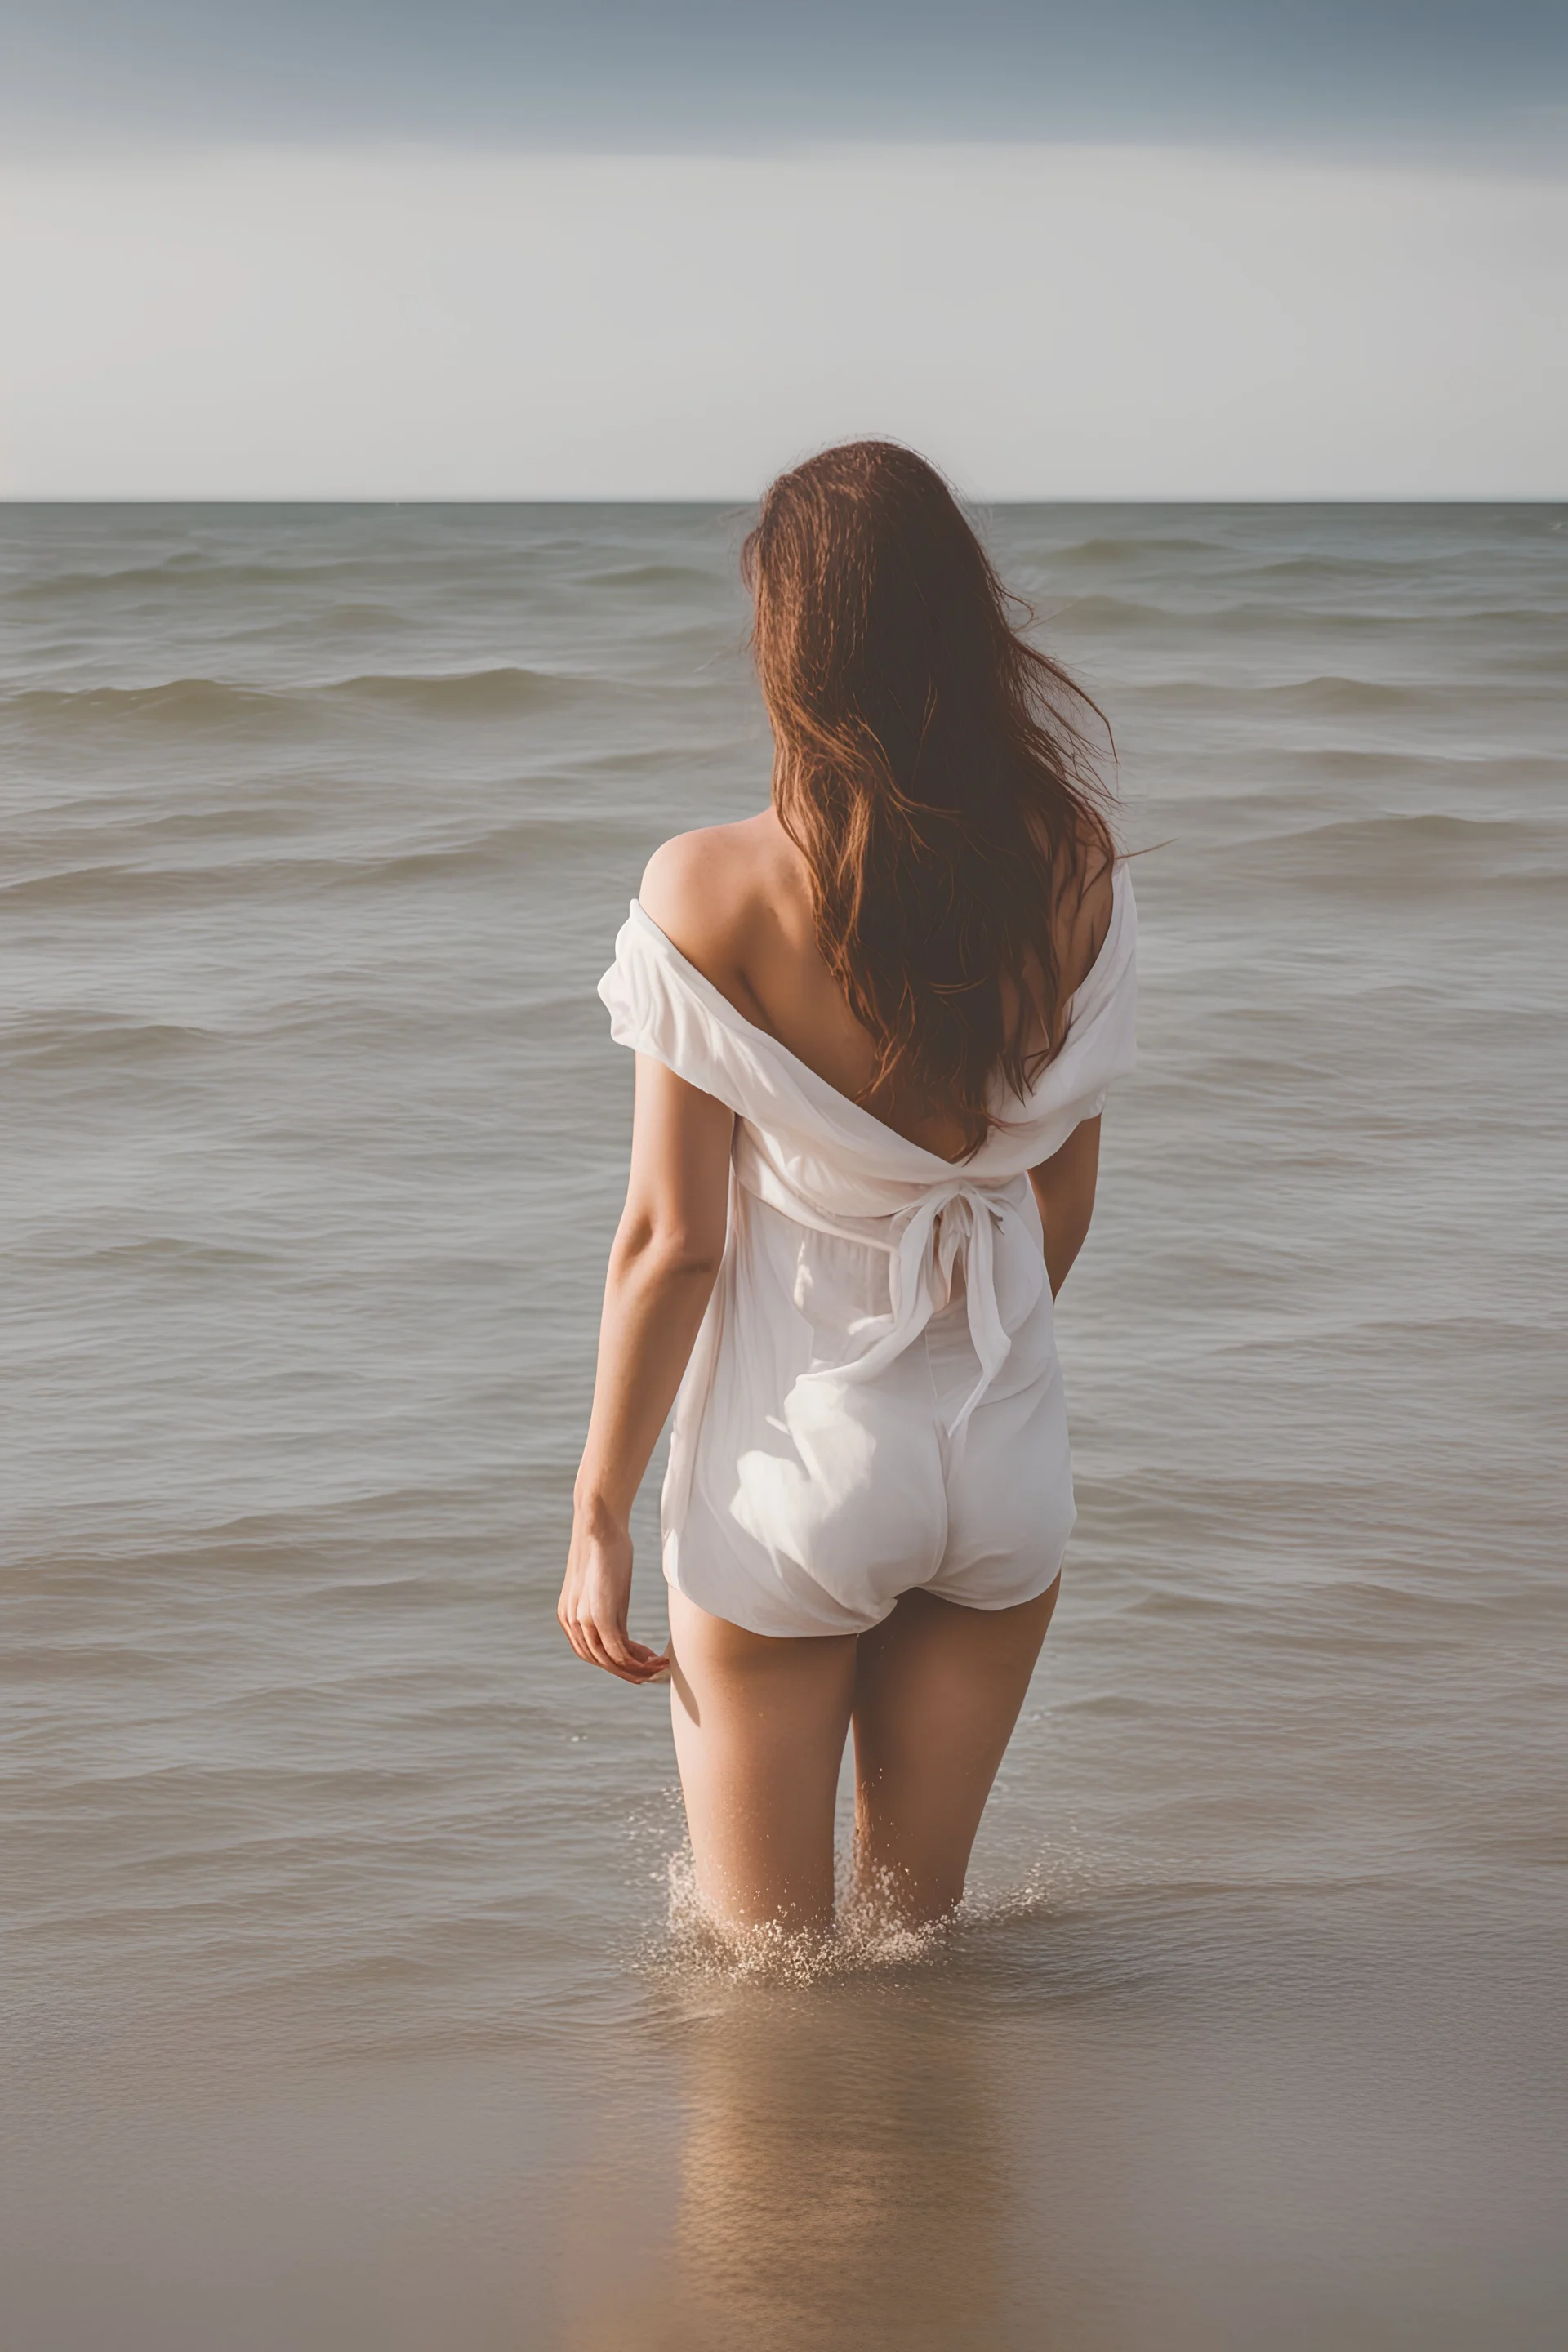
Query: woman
(874,1028)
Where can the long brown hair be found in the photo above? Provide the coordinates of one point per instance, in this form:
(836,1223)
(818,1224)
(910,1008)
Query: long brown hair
(932,766)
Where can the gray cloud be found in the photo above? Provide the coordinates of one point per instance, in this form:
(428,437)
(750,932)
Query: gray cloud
(733,73)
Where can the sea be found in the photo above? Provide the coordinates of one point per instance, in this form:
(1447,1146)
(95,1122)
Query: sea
(349,1994)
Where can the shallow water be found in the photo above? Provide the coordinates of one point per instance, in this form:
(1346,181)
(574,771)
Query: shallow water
(347,1999)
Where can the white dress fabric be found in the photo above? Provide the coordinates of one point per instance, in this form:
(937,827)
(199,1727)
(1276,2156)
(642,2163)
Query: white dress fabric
(874,1400)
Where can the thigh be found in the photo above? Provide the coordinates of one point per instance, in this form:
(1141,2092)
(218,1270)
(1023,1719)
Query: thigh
(760,1725)
(937,1691)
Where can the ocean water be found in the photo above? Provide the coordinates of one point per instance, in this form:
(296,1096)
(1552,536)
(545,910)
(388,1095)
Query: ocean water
(348,1996)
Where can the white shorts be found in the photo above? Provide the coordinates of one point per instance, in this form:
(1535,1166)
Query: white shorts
(807,1505)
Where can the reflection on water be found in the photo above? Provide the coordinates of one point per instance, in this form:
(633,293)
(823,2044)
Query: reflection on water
(844,2175)
(1105,2131)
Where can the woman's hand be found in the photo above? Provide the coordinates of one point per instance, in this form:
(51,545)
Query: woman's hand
(595,1596)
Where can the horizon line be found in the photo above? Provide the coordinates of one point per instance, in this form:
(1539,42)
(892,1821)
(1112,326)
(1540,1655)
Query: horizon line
(749,499)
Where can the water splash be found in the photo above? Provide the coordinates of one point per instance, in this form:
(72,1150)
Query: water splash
(868,1935)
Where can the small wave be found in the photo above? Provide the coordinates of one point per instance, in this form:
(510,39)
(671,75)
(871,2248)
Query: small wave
(1437,828)
(1343,696)
(1463,771)
(66,1043)
(317,625)
(122,886)
(213,706)
(1432,852)
(468,693)
(1551,663)
(1100,554)
(188,570)
(1337,568)
(1317,697)
(1109,614)
(535,840)
(655,575)
(203,705)
(170,1250)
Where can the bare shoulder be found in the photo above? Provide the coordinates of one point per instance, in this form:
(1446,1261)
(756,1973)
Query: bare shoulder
(707,891)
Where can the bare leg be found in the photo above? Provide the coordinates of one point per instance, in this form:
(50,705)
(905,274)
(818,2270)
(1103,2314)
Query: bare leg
(937,1692)
(760,1725)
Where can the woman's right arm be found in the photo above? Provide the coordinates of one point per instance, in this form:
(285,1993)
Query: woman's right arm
(665,1260)
(1065,1184)
(1064,1189)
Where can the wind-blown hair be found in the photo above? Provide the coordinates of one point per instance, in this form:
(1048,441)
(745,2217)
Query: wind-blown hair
(933,768)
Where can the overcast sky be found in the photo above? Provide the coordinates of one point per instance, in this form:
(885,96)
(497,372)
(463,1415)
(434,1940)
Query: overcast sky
(1141,247)
(732,72)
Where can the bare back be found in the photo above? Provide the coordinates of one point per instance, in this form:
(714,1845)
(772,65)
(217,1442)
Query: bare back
(735,899)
